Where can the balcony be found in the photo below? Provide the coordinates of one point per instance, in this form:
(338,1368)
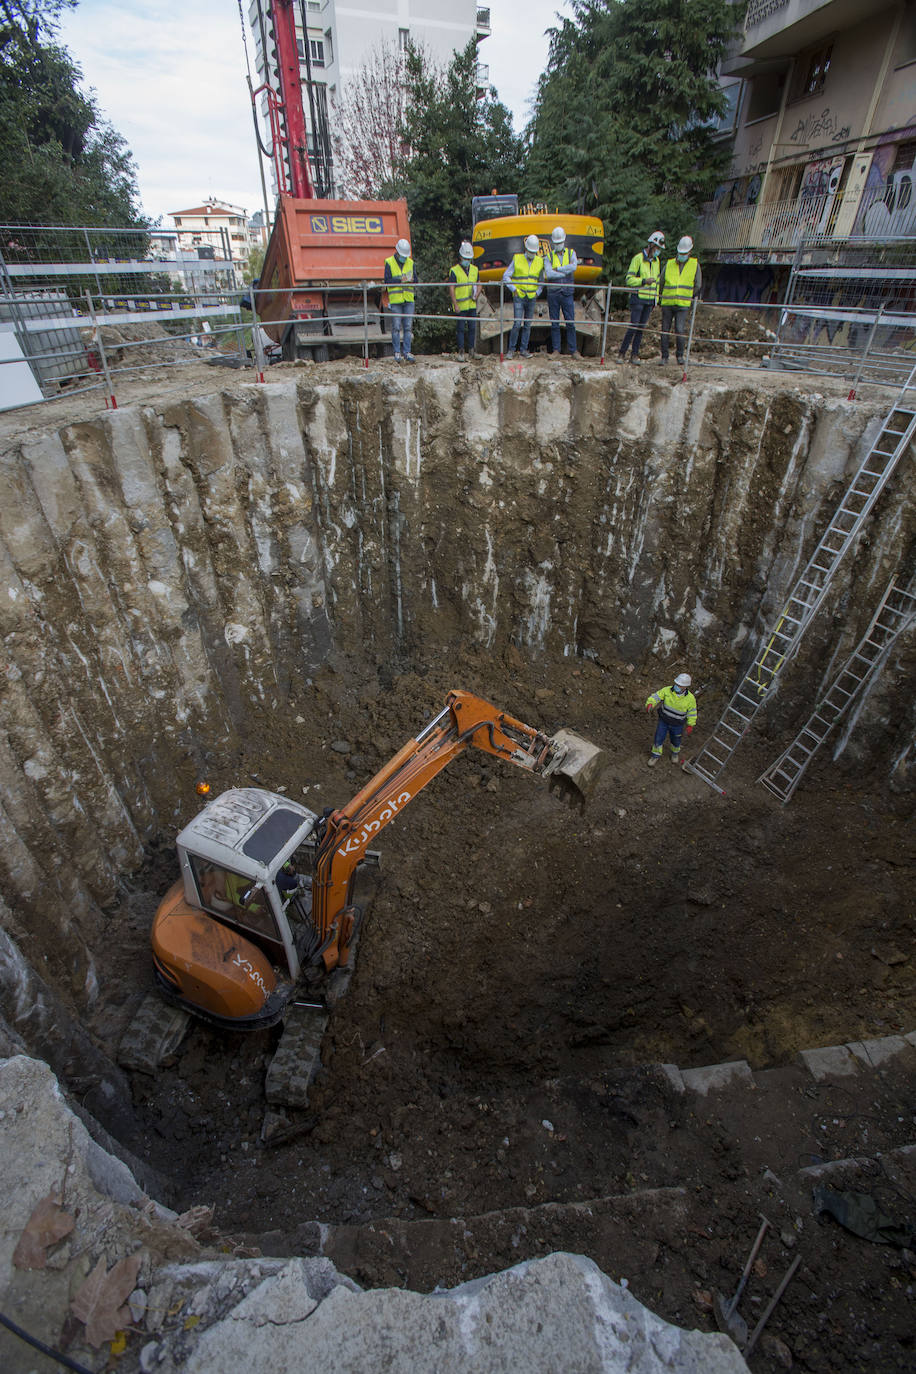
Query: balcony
(483,76)
(782,28)
(483,23)
(771,232)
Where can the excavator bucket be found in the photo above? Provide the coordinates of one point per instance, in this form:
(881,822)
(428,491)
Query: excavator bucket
(578,770)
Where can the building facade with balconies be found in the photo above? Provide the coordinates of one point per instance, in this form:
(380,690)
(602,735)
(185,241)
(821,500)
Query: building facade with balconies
(822,109)
(214,230)
(340,35)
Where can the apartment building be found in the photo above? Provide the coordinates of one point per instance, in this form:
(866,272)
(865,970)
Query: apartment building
(217,227)
(822,111)
(339,35)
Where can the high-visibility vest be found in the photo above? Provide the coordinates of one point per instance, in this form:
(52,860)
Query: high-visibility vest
(558,260)
(397,295)
(642,277)
(677,708)
(464,282)
(525,275)
(677,289)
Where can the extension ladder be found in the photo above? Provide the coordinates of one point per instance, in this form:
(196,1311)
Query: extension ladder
(895,615)
(781,644)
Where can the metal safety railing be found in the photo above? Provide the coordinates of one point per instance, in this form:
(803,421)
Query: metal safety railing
(63,316)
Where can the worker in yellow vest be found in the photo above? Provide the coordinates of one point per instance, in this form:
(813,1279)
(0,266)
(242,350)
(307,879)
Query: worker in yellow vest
(642,279)
(560,269)
(677,708)
(681,285)
(463,287)
(400,279)
(522,279)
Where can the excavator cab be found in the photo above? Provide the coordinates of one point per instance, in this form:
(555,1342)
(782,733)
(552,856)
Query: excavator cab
(228,942)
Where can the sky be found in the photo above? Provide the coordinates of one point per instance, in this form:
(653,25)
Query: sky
(172,82)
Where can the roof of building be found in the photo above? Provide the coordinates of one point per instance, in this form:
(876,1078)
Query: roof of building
(212,207)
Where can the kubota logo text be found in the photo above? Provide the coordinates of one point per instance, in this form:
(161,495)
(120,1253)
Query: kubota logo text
(250,969)
(346,224)
(358,839)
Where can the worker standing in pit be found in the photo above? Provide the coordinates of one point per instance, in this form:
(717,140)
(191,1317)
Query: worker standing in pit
(463,289)
(677,708)
(560,268)
(681,285)
(400,280)
(523,279)
(642,279)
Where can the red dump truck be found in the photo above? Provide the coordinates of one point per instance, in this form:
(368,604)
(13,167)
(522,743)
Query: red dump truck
(323,273)
(325,259)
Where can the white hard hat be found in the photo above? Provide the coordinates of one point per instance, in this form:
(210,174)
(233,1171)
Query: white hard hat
(466,251)
(685,245)
(657,238)
(532,243)
(558,235)
(682,680)
(403,248)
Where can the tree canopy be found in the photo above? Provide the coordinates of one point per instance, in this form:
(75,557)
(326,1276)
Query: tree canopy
(62,162)
(625,115)
(457,146)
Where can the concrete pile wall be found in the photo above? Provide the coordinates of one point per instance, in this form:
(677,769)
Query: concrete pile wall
(167,571)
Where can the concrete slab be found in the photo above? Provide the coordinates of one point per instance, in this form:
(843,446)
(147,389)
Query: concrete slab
(830,1061)
(715,1076)
(875,1052)
(672,1076)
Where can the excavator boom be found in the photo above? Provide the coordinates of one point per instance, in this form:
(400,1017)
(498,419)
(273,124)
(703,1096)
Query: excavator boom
(570,762)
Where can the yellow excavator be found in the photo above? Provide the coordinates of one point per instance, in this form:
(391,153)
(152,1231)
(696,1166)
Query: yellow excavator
(500,227)
(264,907)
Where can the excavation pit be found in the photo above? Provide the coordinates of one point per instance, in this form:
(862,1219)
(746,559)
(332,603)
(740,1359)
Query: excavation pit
(291,579)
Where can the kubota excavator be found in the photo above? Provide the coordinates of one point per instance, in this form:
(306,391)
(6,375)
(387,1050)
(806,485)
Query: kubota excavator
(265,903)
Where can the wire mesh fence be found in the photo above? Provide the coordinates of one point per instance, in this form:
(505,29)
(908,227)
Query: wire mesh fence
(86,309)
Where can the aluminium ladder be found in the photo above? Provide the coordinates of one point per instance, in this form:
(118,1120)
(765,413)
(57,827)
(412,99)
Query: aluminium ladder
(894,616)
(781,644)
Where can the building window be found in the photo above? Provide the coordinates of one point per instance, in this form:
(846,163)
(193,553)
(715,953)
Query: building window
(177,221)
(300,48)
(813,68)
(765,95)
(316,52)
(403,39)
(315,6)
(328,46)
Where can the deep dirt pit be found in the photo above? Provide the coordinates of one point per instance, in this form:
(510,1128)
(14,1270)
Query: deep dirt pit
(520,962)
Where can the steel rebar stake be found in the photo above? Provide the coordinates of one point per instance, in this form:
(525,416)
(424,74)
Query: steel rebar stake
(97,335)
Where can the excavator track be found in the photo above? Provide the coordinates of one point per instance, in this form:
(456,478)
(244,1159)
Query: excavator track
(298,1057)
(156,1030)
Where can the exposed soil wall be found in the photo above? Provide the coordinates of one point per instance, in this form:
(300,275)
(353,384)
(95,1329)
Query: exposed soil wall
(175,575)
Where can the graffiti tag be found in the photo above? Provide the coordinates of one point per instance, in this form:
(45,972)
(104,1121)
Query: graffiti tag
(823,125)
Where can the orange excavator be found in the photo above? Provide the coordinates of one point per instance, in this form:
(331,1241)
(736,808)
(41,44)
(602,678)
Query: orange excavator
(265,902)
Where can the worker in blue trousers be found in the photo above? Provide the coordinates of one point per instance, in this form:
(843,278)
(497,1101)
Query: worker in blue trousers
(677,710)
(559,270)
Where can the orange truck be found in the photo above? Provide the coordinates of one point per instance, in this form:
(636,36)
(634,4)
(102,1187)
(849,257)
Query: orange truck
(321,287)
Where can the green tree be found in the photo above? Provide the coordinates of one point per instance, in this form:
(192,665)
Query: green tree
(252,269)
(458,146)
(62,162)
(625,115)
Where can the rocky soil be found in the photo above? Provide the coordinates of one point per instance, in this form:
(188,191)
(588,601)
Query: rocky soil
(519,964)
